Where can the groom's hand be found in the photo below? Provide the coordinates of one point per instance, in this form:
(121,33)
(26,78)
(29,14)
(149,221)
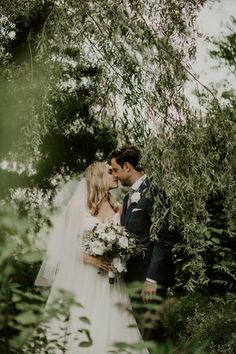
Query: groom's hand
(148,291)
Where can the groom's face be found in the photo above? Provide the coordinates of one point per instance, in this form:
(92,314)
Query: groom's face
(121,173)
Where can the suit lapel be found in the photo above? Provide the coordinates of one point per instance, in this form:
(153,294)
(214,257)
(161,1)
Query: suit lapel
(128,211)
(144,185)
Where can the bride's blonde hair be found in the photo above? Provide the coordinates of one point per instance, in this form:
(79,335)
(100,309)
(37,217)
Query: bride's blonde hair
(97,187)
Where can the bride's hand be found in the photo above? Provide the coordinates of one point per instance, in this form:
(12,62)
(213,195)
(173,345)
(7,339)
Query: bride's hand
(98,262)
(101,263)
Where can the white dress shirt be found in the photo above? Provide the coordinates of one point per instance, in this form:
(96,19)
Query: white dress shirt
(138,183)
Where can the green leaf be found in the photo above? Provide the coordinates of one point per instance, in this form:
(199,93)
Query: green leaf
(16,298)
(26,318)
(85,344)
(217,231)
(215,240)
(85,320)
(31,257)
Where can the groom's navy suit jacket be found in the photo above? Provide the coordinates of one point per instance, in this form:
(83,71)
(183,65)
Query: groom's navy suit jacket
(156,263)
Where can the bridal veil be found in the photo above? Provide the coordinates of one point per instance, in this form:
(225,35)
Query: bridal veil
(62,248)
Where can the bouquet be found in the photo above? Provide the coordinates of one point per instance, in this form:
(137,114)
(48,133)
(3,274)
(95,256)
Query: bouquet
(113,243)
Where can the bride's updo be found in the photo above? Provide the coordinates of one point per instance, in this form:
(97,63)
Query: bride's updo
(97,187)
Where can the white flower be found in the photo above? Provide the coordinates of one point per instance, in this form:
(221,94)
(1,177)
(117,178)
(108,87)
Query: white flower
(123,242)
(135,197)
(100,227)
(11,34)
(103,235)
(97,248)
(118,265)
(69,85)
(111,236)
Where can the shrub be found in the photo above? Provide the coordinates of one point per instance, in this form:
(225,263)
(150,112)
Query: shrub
(206,320)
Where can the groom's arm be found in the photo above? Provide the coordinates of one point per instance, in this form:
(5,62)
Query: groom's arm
(161,260)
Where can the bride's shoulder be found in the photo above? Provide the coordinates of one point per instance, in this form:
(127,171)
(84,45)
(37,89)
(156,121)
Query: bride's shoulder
(119,208)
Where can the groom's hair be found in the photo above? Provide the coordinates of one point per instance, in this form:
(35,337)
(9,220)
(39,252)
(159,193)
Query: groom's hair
(127,153)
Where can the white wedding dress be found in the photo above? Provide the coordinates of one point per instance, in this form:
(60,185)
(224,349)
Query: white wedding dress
(110,322)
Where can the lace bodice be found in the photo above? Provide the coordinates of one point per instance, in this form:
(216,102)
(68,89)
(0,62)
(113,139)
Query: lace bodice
(90,221)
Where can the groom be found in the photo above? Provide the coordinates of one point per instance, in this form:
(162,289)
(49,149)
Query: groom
(155,268)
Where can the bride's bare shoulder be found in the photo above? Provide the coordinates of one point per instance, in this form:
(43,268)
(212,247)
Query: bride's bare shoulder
(119,207)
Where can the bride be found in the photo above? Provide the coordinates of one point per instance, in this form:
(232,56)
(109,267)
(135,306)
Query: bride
(67,267)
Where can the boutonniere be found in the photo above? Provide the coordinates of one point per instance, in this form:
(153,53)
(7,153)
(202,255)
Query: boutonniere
(135,197)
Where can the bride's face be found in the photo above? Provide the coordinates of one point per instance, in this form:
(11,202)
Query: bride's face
(111,181)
